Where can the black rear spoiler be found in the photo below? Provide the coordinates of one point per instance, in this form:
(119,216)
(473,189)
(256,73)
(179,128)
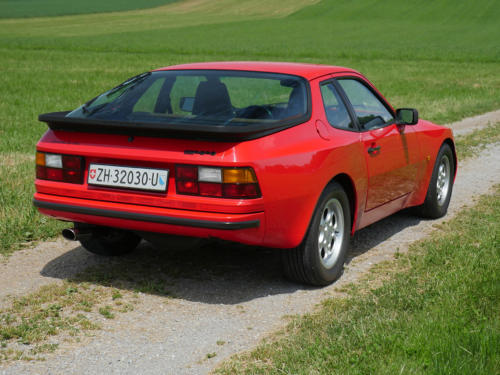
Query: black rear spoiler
(215,131)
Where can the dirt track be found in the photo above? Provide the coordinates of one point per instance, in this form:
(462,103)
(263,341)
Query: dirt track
(230,293)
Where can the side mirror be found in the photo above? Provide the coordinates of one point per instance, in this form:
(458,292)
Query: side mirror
(186,104)
(406,116)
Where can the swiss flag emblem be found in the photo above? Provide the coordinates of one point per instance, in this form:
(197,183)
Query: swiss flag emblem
(92,174)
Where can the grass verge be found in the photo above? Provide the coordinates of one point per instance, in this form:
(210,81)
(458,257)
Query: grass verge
(35,324)
(472,144)
(437,312)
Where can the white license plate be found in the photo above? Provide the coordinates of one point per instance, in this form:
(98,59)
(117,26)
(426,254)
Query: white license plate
(128,177)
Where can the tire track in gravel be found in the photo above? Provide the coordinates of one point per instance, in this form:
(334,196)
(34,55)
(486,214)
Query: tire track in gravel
(232,293)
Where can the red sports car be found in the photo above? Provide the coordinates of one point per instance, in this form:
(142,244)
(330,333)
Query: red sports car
(289,156)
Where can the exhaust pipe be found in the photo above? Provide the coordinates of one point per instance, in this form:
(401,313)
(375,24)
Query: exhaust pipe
(70,234)
(73,234)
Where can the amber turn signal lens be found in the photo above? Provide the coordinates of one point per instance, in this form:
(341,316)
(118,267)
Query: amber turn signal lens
(40,158)
(239,176)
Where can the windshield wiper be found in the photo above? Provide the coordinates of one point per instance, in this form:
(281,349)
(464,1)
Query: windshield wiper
(90,112)
(85,107)
(135,80)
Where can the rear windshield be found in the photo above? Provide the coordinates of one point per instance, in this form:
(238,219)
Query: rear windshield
(231,98)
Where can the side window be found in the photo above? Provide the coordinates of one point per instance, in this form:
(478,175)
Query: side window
(335,110)
(370,111)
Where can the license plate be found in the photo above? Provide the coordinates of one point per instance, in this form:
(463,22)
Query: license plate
(128,177)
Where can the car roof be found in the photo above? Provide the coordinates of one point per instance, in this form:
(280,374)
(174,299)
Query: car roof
(308,71)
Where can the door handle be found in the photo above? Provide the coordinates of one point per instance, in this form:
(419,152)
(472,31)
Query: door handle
(373,150)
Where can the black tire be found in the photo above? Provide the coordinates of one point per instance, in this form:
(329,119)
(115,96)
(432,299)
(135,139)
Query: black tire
(317,262)
(440,187)
(110,241)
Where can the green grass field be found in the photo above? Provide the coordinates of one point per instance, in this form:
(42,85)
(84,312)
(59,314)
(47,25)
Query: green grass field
(47,8)
(440,57)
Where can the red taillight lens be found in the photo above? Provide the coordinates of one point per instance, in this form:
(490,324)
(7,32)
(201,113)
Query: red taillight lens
(241,190)
(41,172)
(186,179)
(55,167)
(55,174)
(210,189)
(187,187)
(72,162)
(235,183)
(72,176)
(185,172)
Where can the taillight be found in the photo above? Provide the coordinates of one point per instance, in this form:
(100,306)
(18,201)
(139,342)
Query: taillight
(216,182)
(57,167)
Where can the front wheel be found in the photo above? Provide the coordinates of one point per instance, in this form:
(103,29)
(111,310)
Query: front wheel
(110,241)
(319,259)
(440,187)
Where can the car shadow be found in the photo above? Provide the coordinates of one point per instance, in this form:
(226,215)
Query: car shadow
(215,272)
(373,235)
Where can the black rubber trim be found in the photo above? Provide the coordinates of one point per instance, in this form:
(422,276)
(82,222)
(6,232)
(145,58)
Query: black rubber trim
(147,217)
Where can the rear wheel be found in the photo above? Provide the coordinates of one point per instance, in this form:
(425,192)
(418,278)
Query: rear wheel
(438,195)
(110,241)
(319,259)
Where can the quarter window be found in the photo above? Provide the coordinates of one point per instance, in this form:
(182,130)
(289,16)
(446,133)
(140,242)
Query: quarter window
(335,110)
(370,111)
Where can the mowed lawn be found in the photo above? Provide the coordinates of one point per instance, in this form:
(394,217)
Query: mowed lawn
(440,57)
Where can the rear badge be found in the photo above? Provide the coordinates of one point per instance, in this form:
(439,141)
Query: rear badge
(192,152)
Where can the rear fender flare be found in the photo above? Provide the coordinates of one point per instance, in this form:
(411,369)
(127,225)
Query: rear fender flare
(349,187)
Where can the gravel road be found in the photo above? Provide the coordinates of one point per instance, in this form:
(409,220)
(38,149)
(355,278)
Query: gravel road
(231,298)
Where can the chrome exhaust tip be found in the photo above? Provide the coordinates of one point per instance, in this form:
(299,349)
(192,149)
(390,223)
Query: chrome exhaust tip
(70,234)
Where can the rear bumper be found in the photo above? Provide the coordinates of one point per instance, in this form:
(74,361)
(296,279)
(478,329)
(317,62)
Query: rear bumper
(227,225)
(246,228)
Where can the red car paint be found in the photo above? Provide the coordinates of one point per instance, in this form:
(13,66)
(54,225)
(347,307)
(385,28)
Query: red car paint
(292,167)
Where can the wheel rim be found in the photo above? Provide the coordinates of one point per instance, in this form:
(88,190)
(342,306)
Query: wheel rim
(331,232)
(443,180)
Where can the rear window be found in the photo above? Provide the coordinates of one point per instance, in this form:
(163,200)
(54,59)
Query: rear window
(231,98)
